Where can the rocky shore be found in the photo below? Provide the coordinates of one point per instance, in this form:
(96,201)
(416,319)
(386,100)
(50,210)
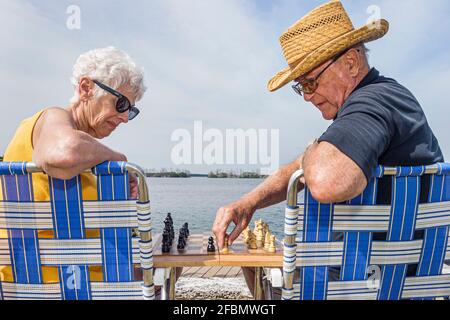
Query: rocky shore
(212,289)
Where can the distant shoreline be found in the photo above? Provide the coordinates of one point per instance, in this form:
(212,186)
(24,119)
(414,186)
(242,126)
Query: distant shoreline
(204,176)
(212,175)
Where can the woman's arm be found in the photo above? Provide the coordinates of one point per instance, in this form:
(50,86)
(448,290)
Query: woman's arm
(64,152)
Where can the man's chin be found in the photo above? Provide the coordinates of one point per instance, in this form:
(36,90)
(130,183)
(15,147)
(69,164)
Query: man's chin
(327,117)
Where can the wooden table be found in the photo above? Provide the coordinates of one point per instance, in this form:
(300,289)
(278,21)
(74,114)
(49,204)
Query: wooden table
(196,255)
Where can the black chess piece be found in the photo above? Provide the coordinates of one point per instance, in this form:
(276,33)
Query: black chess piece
(165,243)
(211,247)
(186,228)
(169,217)
(181,244)
(165,248)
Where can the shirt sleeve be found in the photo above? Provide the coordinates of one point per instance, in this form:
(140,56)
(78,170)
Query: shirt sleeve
(362,131)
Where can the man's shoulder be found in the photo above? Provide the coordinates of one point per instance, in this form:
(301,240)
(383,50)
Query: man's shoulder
(383,95)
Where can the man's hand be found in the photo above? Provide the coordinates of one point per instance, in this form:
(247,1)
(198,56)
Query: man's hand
(240,212)
(133,186)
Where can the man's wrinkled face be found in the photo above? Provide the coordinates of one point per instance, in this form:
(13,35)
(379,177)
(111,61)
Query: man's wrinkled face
(103,116)
(331,90)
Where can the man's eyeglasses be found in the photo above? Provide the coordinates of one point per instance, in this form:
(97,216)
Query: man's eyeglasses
(309,86)
(123,104)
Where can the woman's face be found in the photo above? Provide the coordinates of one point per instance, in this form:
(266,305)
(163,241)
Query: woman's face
(102,116)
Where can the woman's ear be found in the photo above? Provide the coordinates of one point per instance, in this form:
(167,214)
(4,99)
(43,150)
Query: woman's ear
(85,89)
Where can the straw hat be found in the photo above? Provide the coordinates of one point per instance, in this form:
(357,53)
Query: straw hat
(319,36)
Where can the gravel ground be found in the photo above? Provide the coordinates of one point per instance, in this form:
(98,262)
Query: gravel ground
(212,289)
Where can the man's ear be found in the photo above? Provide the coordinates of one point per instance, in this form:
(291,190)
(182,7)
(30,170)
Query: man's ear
(352,62)
(85,89)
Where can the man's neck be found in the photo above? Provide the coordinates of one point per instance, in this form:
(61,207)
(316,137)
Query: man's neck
(358,79)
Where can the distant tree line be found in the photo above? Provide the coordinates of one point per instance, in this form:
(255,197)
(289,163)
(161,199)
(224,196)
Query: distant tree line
(243,175)
(168,174)
(1,158)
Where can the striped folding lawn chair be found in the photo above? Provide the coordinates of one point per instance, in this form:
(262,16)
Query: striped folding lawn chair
(70,253)
(390,243)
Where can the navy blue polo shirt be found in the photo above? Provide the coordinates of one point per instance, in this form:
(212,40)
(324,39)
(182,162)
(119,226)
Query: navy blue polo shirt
(381,122)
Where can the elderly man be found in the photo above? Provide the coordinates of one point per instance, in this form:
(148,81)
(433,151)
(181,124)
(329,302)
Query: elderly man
(375,119)
(63,141)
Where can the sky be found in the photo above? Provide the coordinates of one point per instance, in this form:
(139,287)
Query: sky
(209,61)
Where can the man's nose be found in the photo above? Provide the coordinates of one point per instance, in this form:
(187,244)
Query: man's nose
(307,96)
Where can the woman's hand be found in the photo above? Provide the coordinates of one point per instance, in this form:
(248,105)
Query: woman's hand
(133,186)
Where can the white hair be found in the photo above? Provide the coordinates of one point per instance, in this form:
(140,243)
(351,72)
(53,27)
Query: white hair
(111,67)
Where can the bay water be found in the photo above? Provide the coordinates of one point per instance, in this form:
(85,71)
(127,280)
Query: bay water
(196,201)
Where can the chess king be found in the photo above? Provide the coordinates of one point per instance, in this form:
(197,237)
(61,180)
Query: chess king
(328,66)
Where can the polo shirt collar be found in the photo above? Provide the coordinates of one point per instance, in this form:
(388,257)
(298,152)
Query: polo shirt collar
(371,77)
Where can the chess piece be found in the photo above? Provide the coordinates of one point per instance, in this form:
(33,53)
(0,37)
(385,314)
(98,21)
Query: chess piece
(169,217)
(259,235)
(247,234)
(251,243)
(165,248)
(267,241)
(186,228)
(211,247)
(225,248)
(181,244)
(272,247)
(165,243)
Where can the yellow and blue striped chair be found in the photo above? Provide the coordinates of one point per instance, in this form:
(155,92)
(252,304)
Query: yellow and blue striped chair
(390,243)
(114,215)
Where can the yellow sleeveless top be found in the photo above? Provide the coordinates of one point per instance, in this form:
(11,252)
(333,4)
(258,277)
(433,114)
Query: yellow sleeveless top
(21,149)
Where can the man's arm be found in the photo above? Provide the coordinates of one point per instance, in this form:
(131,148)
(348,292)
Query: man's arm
(332,176)
(272,191)
(64,152)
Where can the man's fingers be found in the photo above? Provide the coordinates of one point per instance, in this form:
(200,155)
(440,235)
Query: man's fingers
(223,220)
(235,234)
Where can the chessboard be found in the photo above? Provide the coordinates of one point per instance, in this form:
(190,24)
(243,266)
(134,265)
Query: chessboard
(197,244)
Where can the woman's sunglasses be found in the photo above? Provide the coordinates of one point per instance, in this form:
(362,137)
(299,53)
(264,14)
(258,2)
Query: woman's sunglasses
(123,104)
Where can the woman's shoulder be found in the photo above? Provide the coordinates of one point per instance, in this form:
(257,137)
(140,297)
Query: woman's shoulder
(53,114)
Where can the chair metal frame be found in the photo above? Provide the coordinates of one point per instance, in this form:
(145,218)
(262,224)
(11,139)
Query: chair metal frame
(293,230)
(142,207)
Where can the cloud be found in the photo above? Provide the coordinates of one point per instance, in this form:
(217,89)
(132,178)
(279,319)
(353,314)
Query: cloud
(205,60)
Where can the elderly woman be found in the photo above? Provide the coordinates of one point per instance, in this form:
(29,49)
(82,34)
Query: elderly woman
(63,141)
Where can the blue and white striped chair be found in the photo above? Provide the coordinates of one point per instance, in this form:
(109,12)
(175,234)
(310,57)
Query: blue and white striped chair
(115,215)
(390,243)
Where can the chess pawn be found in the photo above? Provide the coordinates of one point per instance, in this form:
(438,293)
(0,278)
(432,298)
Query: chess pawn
(251,244)
(267,241)
(272,247)
(225,248)
(181,244)
(246,234)
(260,237)
(186,229)
(211,247)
